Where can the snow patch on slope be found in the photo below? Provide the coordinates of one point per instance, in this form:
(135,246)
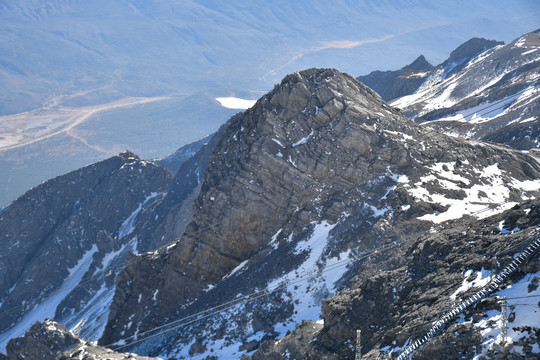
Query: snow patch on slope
(305,288)
(128,225)
(235,103)
(523,303)
(487,197)
(47,308)
(314,280)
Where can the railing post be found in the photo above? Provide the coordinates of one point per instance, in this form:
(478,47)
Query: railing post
(504,321)
(358,352)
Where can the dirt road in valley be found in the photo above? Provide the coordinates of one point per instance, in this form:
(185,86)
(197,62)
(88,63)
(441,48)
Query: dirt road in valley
(22,129)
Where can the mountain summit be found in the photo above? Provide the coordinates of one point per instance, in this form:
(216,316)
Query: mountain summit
(318,172)
(319,199)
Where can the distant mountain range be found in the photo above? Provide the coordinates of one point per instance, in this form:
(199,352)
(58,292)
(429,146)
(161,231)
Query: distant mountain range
(494,95)
(405,81)
(484,90)
(319,211)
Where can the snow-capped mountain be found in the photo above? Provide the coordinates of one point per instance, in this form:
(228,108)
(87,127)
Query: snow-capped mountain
(491,96)
(300,189)
(405,81)
(289,229)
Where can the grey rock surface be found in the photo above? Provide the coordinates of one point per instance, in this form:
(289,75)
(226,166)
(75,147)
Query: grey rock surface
(399,306)
(45,340)
(391,85)
(319,149)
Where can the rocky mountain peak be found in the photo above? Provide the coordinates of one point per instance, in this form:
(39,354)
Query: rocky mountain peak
(319,173)
(419,64)
(393,84)
(467,51)
(318,151)
(318,95)
(68,229)
(44,340)
(312,137)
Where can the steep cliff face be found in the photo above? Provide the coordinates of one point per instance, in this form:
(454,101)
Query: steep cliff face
(320,171)
(166,219)
(59,241)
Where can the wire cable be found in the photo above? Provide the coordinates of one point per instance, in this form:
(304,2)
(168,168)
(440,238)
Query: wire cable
(245,299)
(87,280)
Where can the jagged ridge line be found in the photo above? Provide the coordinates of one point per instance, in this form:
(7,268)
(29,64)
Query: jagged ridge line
(490,287)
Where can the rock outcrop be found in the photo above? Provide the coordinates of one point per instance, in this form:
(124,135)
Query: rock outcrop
(49,340)
(46,340)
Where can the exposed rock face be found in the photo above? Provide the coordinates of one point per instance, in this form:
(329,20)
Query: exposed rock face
(46,340)
(49,340)
(397,307)
(292,346)
(165,220)
(65,231)
(393,84)
(301,138)
(491,96)
(318,171)
(89,351)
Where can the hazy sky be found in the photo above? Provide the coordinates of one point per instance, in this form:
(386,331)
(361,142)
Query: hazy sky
(138,47)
